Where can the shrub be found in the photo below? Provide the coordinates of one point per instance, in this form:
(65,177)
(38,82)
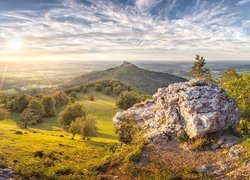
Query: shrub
(22,102)
(72,100)
(91,97)
(70,114)
(48,103)
(127,131)
(39,154)
(135,156)
(127,99)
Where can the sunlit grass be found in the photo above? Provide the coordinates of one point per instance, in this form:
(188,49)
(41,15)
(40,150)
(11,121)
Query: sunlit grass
(61,154)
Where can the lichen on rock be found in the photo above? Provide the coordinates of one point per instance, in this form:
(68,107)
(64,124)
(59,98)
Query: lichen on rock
(194,109)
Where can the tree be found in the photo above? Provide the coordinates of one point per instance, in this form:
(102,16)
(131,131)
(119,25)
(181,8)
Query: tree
(3,112)
(75,127)
(73,94)
(86,127)
(108,91)
(118,89)
(70,114)
(98,87)
(22,102)
(30,116)
(36,106)
(198,69)
(61,99)
(48,103)
(127,99)
(238,87)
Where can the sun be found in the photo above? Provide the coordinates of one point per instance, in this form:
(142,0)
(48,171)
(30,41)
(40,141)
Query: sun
(16,44)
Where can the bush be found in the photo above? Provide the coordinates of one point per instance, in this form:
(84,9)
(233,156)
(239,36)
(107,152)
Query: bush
(91,98)
(127,131)
(22,102)
(135,156)
(39,154)
(70,114)
(127,99)
(72,100)
(48,103)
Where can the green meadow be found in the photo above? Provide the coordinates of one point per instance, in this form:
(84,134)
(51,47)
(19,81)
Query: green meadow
(45,150)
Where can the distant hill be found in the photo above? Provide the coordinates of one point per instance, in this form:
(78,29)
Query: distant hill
(145,80)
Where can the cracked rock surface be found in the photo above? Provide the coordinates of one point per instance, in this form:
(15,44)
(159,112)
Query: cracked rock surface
(192,109)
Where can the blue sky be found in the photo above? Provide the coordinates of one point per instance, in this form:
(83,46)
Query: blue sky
(124,29)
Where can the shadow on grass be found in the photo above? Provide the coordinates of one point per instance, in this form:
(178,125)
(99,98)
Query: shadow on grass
(106,136)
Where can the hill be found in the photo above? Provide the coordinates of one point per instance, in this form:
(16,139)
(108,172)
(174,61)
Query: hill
(145,80)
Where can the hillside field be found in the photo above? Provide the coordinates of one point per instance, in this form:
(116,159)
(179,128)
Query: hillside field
(46,151)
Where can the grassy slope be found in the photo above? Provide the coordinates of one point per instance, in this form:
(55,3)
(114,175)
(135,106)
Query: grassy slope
(145,80)
(62,155)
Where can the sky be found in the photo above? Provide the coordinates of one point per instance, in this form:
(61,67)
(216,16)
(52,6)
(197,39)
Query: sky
(124,29)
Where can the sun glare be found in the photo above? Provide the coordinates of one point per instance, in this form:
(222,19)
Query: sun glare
(16,44)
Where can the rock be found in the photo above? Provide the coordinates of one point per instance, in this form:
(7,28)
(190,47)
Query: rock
(5,173)
(192,109)
(236,151)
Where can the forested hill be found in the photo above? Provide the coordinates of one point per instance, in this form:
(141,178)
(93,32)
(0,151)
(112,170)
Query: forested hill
(145,80)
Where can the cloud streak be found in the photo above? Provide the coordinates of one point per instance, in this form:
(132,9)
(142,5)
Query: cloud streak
(128,29)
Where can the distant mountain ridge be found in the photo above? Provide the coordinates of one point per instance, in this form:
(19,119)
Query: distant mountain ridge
(145,80)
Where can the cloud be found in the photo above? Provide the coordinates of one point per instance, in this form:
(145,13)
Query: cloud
(139,29)
(242,2)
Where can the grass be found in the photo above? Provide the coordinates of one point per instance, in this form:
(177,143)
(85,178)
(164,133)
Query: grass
(61,157)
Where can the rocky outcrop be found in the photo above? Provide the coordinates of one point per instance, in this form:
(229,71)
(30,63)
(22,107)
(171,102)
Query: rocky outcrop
(5,173)
(233,166)
(192,109)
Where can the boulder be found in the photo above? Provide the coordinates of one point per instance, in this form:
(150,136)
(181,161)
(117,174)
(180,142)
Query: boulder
(194,109)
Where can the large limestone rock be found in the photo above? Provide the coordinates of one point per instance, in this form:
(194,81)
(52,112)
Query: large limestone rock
(192,108)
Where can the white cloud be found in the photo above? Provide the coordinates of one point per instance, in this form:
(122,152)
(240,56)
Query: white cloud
(130,31)
(242,2)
